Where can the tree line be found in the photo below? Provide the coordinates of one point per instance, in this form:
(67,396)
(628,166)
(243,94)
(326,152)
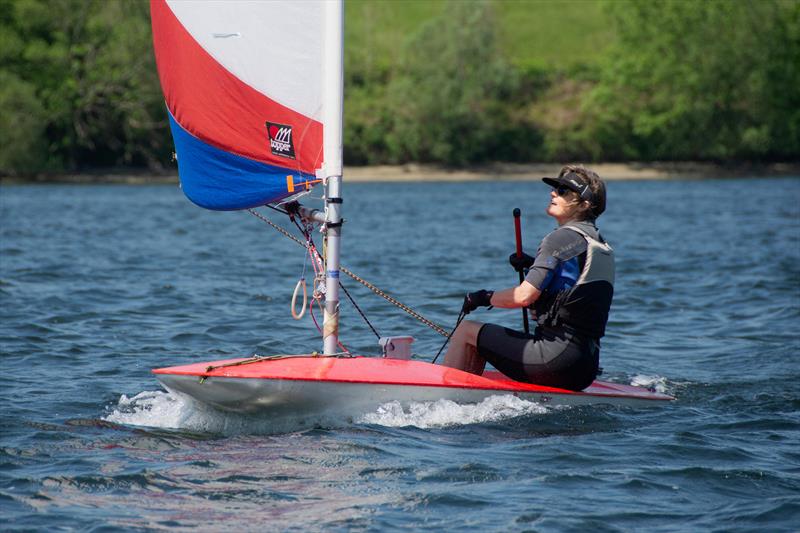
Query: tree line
(715,80)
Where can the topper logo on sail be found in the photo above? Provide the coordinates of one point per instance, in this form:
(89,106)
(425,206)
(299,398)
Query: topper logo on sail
(280,139)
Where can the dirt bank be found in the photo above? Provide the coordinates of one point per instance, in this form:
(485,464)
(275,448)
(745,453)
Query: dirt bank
(497,171)
(531,171)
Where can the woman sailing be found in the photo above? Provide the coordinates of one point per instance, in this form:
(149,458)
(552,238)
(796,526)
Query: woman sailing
(568,287)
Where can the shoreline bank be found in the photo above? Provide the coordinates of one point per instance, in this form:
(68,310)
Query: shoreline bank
(498,171)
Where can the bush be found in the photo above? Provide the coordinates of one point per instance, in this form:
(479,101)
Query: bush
(22,119)
(83,71)
(699,80)
(452,97)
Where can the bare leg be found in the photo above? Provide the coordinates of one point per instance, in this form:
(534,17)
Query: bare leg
(463,350)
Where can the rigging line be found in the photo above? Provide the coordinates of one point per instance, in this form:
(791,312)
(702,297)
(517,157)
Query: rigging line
(360,312)
(458,322)
(437,328)
(259,358)
(279,210)
(306,231)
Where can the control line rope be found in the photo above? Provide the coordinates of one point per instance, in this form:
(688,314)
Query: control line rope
(437,328)
(259,358)
(461,316)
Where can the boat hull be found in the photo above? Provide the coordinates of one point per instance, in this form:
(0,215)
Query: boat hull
(358,385)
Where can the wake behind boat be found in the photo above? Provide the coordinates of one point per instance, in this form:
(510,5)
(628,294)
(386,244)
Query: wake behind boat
(254,92)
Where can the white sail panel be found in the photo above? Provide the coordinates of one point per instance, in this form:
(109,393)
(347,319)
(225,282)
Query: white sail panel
(274,47)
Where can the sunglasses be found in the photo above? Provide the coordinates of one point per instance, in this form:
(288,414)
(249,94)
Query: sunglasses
(562,190)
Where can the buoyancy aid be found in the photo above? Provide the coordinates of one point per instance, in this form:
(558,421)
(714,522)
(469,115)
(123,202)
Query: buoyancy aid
(582,308)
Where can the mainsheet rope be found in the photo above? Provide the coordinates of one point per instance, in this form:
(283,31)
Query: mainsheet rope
(461,316)
(437,328)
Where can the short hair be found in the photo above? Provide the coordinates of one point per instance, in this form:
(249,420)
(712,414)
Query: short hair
(596,184)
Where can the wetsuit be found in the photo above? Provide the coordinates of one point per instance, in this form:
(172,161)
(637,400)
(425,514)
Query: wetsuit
(574,270)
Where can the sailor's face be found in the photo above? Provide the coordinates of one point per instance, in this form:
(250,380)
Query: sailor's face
(563,205)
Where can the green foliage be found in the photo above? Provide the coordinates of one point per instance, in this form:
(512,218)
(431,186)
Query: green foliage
(698,80)
(22,124)
(552,34)
(376,30)
(537,34)
(452,96)
(88,72)
(456,83)
(367,119)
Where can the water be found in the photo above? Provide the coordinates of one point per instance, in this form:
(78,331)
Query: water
(99,284)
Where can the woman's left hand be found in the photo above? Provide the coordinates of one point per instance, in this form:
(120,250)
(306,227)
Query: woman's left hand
(474,300)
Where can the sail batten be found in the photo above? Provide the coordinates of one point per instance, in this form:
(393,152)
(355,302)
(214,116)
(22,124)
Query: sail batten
(243,85)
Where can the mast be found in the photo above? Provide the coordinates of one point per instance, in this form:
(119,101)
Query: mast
(333,99)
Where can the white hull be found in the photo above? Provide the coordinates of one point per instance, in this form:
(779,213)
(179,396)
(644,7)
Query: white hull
(276,397)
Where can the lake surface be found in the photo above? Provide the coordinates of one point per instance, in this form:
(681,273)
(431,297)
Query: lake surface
(100,284)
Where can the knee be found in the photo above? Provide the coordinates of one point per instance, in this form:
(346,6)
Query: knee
(467,332)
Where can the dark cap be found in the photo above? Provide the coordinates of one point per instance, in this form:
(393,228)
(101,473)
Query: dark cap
(581,185)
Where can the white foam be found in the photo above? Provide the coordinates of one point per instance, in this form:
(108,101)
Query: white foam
(656,383)
(443,413)
(151,409)
(158,409)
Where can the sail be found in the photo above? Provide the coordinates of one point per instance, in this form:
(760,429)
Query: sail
(243,83)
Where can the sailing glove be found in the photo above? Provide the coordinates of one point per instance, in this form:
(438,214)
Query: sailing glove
(474,300)
(520,263)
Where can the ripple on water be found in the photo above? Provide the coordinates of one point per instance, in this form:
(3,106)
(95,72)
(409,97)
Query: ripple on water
(104,283)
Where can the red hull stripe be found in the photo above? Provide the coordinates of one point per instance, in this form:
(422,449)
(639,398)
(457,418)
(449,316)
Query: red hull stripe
(217,107)
(379,371)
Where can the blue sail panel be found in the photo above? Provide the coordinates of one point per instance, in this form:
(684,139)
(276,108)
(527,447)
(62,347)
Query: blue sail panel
(243,83)
(216,179)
